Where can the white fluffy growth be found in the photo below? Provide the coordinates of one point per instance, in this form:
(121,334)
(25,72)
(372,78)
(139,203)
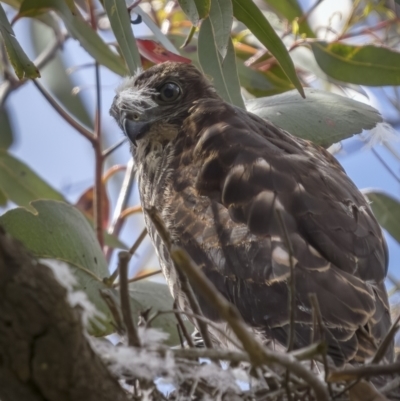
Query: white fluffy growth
(66,278)
(127,361)
(382,133)
(150,337)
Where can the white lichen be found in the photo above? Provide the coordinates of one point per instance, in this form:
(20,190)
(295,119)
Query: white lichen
(76,298)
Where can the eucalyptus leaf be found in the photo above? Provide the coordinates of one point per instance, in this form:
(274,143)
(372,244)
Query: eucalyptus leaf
(195,10)
(224,73)
(20,184)
(121,25)
(79,29)
(323,117)
(221,18)
(386,210)
(148,295)
(247,12)
(291,10)
(59,231)
(23,67)
(159,36)
(363,65)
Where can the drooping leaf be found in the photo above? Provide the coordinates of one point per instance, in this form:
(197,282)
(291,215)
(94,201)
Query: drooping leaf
(20,184)
(363,65)
(248,13)
(221,18)
(59,231)
(79,29)
(387,211)
(145,295)
(23,67)
(253,81)
(158,34)
(223,72)
(6,136)
(154,52)
(323,117)
(55,76)
(291,10)
(120,23)
(195,10)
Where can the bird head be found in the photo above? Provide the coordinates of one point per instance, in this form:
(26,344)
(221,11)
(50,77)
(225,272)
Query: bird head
(160,97)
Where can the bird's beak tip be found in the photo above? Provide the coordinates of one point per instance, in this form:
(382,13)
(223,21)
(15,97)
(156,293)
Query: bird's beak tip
(135,130)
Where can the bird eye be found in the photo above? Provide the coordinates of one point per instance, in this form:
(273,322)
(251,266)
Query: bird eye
(169,92)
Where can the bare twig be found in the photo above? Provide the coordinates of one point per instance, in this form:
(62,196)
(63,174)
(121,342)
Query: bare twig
(364,371)
(117,222)
(257,353)
(66,116)
(292,284)
(133,337)
(185,285)
(114,147)
(131,251)
(383,346)
(182,326)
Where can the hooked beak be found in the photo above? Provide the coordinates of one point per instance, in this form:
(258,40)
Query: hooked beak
(135,129)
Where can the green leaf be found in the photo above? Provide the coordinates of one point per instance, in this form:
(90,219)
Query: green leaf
(59,231)
(158,34)
(23,67)
(3,199)
(145,295)
(6,136)
(195,10)
(363,65)
(221,18)
(79,29)
(55,76)
(290,9)
(224,73)
(248,13)
(323,117)
(121,25)
(387,212)
(20,184)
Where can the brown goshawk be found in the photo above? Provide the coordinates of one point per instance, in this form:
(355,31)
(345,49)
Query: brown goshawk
(225,182)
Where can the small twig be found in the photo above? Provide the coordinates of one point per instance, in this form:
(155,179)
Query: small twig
(71,121)
(133,336)
(383,346)
(131,251)
(182,326)
(114,147)
(98,199)
(392,385)
(292,284)
(194,316)
(184,282)
(144,277)
(117,222)
(317,314)
(114,309)
(364,371)
(257,352)
(384,164)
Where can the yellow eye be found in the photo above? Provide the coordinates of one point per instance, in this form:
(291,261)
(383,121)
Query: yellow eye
(169,92)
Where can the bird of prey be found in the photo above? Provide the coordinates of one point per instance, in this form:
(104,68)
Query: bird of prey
(246,199)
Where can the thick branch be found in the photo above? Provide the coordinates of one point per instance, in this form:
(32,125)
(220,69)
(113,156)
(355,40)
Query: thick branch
(44,353)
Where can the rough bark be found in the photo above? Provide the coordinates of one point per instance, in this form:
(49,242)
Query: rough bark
(44,354)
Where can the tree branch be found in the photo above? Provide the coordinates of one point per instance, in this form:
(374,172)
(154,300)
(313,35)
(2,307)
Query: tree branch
(45,355)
